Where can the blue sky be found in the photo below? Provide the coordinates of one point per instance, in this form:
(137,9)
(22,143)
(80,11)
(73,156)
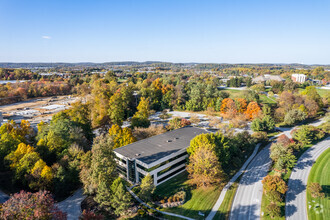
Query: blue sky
(232,31)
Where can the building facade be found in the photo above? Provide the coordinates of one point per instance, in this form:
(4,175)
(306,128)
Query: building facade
(162,156)
(300,78)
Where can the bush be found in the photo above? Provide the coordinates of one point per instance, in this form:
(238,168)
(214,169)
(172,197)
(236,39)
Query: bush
(260,137)
(267,123)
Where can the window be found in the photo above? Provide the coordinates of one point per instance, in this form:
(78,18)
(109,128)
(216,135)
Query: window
(171,167)
(171,174)
(161,164)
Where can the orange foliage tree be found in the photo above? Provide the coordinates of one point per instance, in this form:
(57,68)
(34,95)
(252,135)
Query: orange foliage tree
(252,110)
(241,105)
(228,106)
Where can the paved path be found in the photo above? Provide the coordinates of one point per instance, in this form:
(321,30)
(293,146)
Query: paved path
(226,188)
(247,200)
(146,205)
(3,197)
(296,205)
(72,205)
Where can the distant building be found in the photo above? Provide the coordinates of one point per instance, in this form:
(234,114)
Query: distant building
(300,78)
(267,77)
(162,156)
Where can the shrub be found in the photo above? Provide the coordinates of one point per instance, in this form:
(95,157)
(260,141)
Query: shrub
(260,137)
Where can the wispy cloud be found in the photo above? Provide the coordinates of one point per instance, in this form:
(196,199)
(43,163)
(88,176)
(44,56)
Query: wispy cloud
(46,37)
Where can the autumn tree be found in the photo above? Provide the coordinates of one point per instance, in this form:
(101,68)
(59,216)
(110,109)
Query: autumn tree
(140,118)
(204,168)
(252,110)
(315,190)
(26,205)
(274,183)
(228,107)
(273,210)
(121,136)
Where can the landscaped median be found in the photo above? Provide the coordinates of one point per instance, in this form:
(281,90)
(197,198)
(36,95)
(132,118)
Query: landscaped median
(318,207)
(284,154)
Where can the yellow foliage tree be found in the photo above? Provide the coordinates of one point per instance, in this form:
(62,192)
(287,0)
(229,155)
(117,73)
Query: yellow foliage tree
(121,137)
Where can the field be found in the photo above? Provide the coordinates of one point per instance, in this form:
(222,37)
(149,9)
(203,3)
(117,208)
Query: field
(319,208)
(198,200)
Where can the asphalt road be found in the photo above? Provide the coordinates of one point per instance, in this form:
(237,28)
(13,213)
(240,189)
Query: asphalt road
(296,204)
(247,201)
(72,205)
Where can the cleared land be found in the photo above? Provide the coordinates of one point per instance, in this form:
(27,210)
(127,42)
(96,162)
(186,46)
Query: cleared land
(319,208)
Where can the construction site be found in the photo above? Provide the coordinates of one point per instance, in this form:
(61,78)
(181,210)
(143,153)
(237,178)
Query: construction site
(35,110)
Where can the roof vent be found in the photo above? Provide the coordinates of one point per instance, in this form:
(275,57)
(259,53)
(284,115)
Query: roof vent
(176,138)
(169,141)
(137,155)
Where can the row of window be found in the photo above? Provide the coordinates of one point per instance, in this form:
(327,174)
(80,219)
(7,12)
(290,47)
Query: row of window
(171,174)
(120,159)
(161,164)
(171,167)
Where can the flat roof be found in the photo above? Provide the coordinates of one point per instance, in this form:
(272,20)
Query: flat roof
(154,148)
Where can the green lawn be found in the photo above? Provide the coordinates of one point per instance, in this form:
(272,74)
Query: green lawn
(224,210)
(319,208)
(322,92)
(201,199)
(265,100)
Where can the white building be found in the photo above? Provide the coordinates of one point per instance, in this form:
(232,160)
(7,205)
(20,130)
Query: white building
(162,156)
(300,78)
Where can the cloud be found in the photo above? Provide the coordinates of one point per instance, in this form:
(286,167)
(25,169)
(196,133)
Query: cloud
(46,37)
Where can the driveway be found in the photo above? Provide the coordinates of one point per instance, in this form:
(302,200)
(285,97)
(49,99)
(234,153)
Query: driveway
(72,205)
(296,204)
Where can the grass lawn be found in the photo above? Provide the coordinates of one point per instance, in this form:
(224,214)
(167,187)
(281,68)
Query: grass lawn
(201,199)
(265,100)
(224,210)
(319,208)
(321,92)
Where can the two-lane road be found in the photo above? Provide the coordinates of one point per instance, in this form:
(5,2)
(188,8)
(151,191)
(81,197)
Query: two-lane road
(247,201)
(296,205)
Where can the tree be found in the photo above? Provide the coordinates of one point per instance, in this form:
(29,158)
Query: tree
(273,210)
(228,106)
(240,105)
(147,187)
(252,110)
(102,171)
(274,183)
(258,87)
(140,118)
(26,205)
(217,143)
(310,91)
(204,168)
(121,136)
(293,116)
(121,200)
(267,123)
(116,109)
(315,190)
